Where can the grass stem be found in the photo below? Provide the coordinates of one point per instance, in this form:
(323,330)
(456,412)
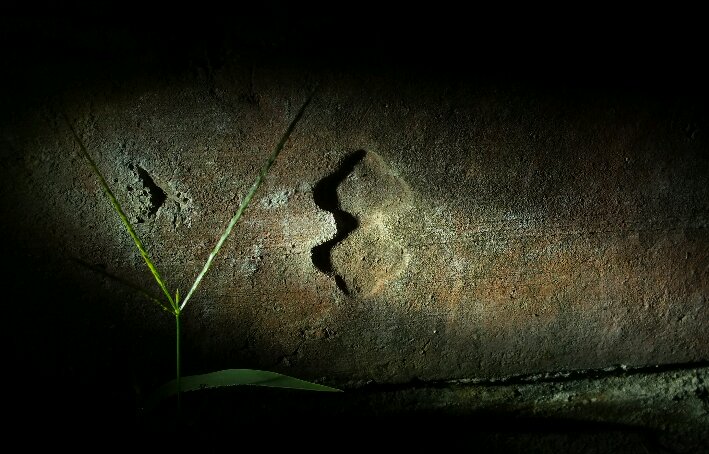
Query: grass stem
(178,372)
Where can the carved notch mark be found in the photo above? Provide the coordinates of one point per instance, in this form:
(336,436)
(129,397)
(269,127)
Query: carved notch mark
(325,197)
(155,192)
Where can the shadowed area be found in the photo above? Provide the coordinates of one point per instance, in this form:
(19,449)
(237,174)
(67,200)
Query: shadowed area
(157,195)
(325,197)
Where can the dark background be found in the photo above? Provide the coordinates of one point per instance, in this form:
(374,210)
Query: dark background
(593,46)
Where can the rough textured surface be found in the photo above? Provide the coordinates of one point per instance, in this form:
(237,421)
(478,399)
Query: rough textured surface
(500,231)
(609,411)
(419,226)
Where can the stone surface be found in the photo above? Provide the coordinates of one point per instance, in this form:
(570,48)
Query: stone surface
(500,231)
(616,410)
(418,226)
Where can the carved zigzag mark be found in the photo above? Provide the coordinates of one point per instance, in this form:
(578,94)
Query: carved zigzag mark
(325,197)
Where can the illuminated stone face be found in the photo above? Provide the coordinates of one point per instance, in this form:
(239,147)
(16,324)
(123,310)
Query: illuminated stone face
(494,231)
(373,255)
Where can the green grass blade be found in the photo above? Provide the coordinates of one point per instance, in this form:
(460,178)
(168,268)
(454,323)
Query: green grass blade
(247,200)
(130,285)
(233,377)
(121,214)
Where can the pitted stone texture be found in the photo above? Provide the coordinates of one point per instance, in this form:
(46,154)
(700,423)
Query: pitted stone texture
(503,229)
(372,256)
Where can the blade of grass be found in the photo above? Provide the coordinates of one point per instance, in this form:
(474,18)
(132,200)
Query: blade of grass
(121,214)
(247,200)
(178,357)
(130,285)
(232,377)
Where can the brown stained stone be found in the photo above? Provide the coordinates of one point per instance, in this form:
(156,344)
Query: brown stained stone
(501,230)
